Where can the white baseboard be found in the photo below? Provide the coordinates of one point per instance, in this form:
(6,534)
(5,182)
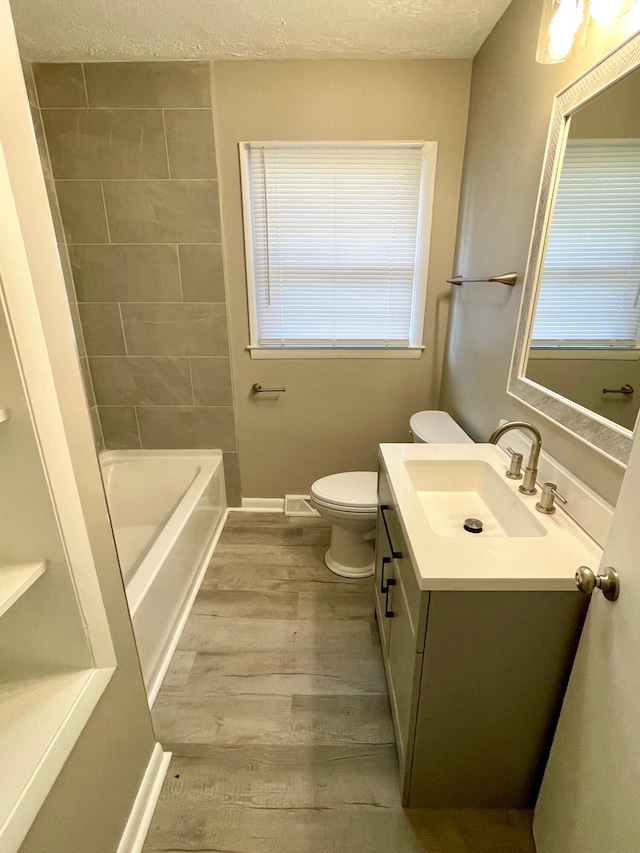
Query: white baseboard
(261,505)
(158,678)
(135,831)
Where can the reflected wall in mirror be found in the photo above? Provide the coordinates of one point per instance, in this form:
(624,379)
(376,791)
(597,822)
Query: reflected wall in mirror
(584,341)
(579,327)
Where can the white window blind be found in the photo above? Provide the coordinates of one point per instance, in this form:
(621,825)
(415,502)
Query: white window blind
(334,243)
(589,289)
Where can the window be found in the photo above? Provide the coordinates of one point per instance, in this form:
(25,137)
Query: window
(337,246)
(589,293)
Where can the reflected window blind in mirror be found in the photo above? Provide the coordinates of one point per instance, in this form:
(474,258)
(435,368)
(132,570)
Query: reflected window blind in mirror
(335,249)
(589,288)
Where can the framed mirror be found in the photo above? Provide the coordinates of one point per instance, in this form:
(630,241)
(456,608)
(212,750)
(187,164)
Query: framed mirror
(576,356)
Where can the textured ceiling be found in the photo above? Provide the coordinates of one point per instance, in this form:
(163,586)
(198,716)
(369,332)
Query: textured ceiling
(56,30)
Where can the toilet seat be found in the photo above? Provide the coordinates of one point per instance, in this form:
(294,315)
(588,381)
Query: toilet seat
(351,491)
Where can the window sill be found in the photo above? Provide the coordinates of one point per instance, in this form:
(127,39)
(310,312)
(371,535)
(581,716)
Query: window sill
(334,352)
(578,353)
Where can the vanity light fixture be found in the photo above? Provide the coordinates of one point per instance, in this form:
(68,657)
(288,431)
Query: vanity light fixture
(563,25)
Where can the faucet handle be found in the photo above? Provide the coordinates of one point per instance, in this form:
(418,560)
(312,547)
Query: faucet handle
(549,492)
(515,468)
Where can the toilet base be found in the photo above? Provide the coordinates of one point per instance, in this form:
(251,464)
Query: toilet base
(346,571)
(351,553)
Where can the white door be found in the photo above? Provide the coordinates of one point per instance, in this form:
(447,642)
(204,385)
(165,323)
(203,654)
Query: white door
(590,796)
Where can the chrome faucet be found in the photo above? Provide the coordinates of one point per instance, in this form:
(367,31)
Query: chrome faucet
(528,486)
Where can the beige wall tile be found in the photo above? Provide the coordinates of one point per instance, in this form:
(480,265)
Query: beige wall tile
(82,211)
(126,273)
(190,143)
(36,117)
(211,381)
(148,84)
(202,273)
(185,427)
(232,479)
(106,143)
(119,427)
(55,210)
(60,84)
(120,381)
(163,211)
(102,328)
(178,329)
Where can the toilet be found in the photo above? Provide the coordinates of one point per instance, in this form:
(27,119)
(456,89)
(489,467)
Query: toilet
(349,501)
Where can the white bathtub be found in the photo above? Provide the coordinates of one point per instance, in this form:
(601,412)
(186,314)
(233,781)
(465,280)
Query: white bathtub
(167,509)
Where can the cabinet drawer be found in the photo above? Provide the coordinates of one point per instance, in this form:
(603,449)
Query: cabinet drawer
(390,520)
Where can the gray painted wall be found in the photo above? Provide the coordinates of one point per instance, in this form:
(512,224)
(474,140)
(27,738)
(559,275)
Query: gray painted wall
(335,412)
(511,97)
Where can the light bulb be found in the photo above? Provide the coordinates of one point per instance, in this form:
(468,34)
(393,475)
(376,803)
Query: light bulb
(562,29)
(603,11)
(559,48)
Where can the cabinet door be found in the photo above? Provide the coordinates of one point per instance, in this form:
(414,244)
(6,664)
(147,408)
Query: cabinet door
(404,667)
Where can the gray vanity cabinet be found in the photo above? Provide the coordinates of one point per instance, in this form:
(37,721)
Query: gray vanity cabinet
(475,679)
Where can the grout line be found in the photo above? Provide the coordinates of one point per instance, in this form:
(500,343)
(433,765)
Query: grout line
(177,245)
(106,216)
(193,390)
(124,302)
(135,412)
(158,355)
(101,437)
(34,87)
(160,406)
(124,337)
(140,180)
(86,88)
(132,109)
(166,144)
(122,243)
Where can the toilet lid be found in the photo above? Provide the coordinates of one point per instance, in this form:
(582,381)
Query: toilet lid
(352,488)
(438,428)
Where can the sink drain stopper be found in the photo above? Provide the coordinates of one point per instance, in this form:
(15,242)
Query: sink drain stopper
(473,525)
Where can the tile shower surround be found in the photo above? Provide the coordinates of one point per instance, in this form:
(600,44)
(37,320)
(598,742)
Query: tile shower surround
(132,153)
(63,250)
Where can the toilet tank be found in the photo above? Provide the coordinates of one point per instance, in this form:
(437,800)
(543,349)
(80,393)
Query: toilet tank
(435,427)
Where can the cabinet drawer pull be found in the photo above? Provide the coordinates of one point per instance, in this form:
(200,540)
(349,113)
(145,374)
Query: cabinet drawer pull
(385,561)
(397,555)
(388,613)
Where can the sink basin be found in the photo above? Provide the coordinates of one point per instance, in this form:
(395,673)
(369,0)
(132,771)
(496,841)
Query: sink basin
(434,488)
(451,491)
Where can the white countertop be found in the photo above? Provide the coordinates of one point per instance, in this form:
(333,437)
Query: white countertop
(477,562)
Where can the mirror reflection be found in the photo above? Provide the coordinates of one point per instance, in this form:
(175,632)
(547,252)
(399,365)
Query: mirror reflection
(585,337)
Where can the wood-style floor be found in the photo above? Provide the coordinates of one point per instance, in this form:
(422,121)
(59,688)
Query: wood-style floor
(275,708)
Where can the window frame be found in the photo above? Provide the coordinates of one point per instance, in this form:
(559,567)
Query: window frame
(420,283)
